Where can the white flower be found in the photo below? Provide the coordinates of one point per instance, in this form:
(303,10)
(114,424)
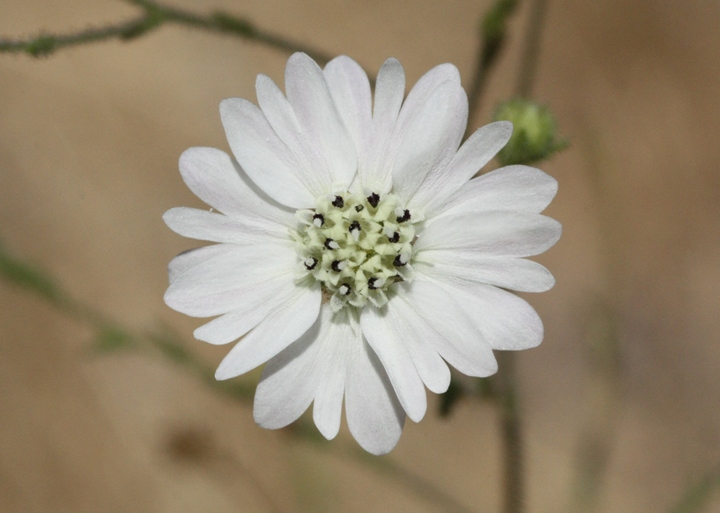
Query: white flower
(356,255)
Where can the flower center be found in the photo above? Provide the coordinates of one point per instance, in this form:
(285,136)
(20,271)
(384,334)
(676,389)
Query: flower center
(356,245)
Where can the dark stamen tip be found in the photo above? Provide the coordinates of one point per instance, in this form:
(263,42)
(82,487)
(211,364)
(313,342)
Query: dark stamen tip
(373,199)
(404,217)
(398,261)
(338,202)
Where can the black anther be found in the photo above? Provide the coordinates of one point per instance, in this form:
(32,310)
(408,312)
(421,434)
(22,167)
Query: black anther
(321,217)
(349,289)
(371,283)
(310,267)
(354,226)
(373,199)
(398,262)
(338,202)
(328,241)
(395,237)
(336,266)
(404,217)
(359,208)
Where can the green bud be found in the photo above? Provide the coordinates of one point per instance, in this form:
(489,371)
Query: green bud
(534,135)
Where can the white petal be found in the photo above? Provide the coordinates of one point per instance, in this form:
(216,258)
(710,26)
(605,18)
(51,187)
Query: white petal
(516,188)
(288,382)
(430,140)
(374,415)
(319,120)
(311,166)
(403,325)
(477,151)
(507,272)
(261,153)
(277,109)
(220,182)
(204,225)
(447,327)
(395,357)
(192,257)
(389,94)
(279,329)
(222,283)
(415,102)
(493,233)
(339,343)
(250,309)
(507,321)
(350,90)
(425,87)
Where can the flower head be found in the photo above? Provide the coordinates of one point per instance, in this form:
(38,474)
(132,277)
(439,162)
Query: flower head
(356,256)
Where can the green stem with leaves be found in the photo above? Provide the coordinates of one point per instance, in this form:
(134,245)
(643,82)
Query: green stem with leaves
(156,15)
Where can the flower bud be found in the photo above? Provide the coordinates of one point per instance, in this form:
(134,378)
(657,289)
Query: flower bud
(534,135)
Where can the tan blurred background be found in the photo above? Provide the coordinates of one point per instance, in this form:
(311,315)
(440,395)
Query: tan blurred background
(89,141)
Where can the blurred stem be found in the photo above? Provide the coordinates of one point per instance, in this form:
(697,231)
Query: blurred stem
(511,432)
(27,276)
(602,345)
(696,496)
(531,49)
(493,29)
(600,408)
(112,336)
(154,17)
(511,425)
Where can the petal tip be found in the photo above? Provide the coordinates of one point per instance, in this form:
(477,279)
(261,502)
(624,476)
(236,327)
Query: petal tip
(379,450)
(328,433)
(223,373)
(504,128)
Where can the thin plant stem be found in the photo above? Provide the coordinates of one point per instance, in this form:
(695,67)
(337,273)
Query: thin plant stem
(155,16)
(510,414)
(493,29)
(600,408)
(44,43)
(603,349)
(531,49)
(511,433)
